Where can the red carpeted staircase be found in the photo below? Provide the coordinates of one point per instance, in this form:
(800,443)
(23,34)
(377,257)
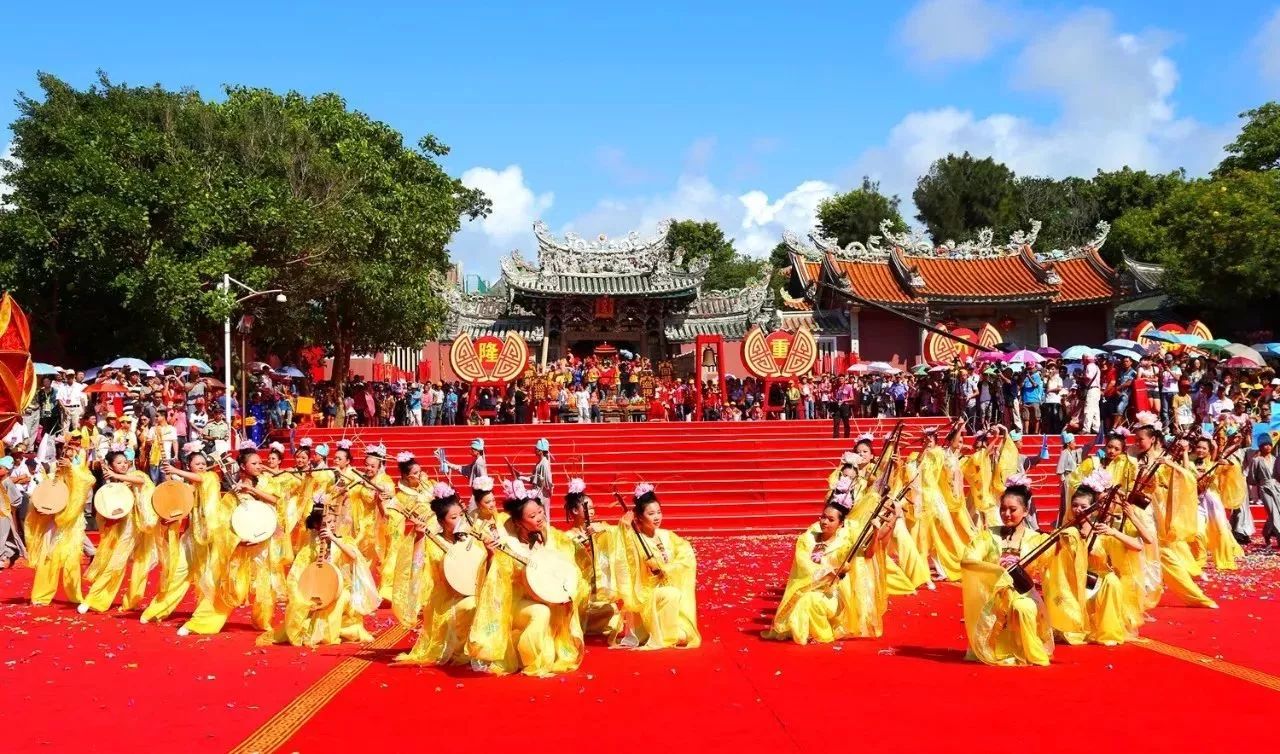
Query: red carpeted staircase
(713,477)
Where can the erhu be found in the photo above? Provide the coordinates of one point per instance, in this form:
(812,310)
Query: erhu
(1018,571)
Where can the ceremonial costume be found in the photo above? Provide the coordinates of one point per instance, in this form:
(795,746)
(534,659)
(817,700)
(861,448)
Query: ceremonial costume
(660,610)
(421,589)
(1004,627)
(124,544)
(512,630)
(810,604)
(343,620)
(54,542)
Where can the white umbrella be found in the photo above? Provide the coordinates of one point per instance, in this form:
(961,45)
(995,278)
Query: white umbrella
(858,368)
(882,367)
(1026,357)
(1245,352)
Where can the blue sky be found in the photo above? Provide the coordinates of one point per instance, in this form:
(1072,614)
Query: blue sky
(607,119)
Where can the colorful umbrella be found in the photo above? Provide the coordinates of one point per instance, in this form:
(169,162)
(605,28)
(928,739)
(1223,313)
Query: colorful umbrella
(858,368)
(1025,357)
(297,373)
(126,362)
(187,362)
(1127,352)
(940,368)
(1160,335)
(1049,351)
(1121,343)
(1241,351)
(45,370)
(1242,362)
(110,387)
(991,356)
(1075,353)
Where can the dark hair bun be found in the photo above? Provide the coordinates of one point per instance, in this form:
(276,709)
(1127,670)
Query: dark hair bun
(1019,490)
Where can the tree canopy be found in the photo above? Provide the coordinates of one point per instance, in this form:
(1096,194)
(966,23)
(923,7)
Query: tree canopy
(1258,145)
(705,239)
(961,195)
(856,215)
(130,203)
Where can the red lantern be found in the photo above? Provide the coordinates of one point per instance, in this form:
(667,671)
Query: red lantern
(1006,324)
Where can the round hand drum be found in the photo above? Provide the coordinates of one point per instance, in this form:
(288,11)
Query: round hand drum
(113,500)
(550,577)
(253,521)
(51,497)
(173,500)
(462,564)
(320,583)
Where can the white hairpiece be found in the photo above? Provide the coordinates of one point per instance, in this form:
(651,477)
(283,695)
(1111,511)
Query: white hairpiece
(577,486)
(513,489)
(866,436)
(1099,481)
(404,456)
(643,488)
(843,484)
(277,447)
(443,490)
(843,500)
(378,450)
(1018,479)
(1148,418)
(344,444)
(195,446)
(305,442)
(482,484)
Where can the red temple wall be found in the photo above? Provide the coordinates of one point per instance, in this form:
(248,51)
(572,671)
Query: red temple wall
(884,337)
(1085,325)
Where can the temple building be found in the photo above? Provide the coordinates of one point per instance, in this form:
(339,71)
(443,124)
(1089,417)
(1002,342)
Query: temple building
(637,294)
(999,292)
(634,294)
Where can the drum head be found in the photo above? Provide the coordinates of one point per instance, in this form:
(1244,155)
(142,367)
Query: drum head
(320,583)
(463,565)
(253,521)
(172,500)
(550,578)
(113,501)
(51,497)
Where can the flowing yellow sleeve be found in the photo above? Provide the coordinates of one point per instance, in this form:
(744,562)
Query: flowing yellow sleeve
(490,639)
(1181,506)
(363,588)
(413,580)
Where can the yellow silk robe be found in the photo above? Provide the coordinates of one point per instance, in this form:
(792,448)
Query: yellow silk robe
(369,521)
(512,631)
(1115,604)
(601,615)
(977,470)
(341,621)
(1004,627)
(1175,505)
(54,543)
(417,502)
(935,533)
(1005,464)
(175,573)
(660,611)
(124,544)
(810,602)
(1226,482)
(952,480)
(1063,572)
(291,513)
(906,570)
(421,588)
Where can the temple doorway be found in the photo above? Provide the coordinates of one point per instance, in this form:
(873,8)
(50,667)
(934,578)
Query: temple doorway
(610,349)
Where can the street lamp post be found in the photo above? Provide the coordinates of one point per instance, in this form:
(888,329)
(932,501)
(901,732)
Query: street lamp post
(227,280)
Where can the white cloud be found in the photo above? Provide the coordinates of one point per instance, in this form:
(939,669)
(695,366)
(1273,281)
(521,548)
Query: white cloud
(1115,96)
(515,205)
(616,162)
(938,31)
(1267,44)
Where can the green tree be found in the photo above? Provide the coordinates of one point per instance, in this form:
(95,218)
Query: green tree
(1127,199)
(1221,239)
(961,195)
(130,204)
(1066,208)
(856,215)
(1258,145)
(705,240)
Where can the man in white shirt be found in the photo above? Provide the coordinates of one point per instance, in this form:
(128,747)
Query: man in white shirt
(17,436)
(1092,395)
(69,392)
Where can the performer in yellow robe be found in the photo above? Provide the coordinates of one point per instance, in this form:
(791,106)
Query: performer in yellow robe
(446,615)
(935,533)
(175,545)
(978,470)
(485,513)
(1115,607)
(1004,459)
(512,630)
(1174,504)
(1215,482)
(1121,467)
(953,487)
(286,485)
(413,496)
(1004,626)
(239,571)
(368,507)
(810,603)
(657,574)
(54,542)
(123,544)
(304,624)
(594,545)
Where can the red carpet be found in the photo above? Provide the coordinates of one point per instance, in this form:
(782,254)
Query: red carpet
(106,683)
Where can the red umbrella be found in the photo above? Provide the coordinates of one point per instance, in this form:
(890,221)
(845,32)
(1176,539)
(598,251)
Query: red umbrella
(106,387)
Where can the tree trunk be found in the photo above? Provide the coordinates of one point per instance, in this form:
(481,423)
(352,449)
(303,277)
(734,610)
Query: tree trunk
(341,368)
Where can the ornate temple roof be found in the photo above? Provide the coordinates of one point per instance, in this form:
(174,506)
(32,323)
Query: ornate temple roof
(912,272)
(629,266)
(626,268)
